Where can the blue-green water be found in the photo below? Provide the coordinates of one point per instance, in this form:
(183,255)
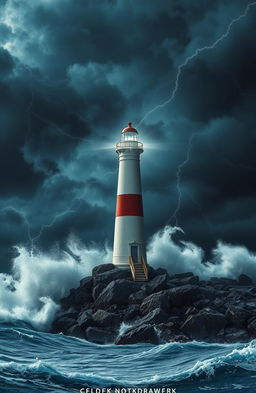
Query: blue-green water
(33,361)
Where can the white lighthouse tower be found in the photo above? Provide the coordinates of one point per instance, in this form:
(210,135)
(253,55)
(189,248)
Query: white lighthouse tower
(129,246)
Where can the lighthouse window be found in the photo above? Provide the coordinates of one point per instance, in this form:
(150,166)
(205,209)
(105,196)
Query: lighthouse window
(130,137)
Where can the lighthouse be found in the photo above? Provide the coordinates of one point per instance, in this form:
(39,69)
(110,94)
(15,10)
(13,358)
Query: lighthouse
(129,249)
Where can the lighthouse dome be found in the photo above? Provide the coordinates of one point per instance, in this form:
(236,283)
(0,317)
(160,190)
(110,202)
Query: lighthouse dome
(130,128)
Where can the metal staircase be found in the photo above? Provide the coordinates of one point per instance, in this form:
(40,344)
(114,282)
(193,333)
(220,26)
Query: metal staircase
(139,270)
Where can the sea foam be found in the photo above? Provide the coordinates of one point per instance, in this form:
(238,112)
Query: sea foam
(31,292)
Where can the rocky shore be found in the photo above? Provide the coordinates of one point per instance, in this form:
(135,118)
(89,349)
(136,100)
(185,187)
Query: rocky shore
(109,307)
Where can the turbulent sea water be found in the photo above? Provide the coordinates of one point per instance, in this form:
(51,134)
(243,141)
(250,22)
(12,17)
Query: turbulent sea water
(32,361)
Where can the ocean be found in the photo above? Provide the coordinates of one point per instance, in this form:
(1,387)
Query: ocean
(33,361)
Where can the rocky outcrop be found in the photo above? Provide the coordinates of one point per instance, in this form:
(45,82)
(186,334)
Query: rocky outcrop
(100,336)
(143,333)
(183,295)
(205,324)
(159,300)
(110,307)
(116,292)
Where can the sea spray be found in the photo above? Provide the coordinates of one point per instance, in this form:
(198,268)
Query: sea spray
(229,260)
(37,282)
(123,328)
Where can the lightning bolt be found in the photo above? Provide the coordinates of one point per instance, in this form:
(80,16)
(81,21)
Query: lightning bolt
(193,56)
(178,180)
(197,52)
(47,226)
(57,128)
(29,111)
(70,210)
(32,239)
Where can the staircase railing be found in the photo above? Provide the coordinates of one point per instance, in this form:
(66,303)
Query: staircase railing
(131,263)
(145,268)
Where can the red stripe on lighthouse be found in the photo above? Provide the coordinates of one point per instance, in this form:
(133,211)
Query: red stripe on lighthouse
(129,205)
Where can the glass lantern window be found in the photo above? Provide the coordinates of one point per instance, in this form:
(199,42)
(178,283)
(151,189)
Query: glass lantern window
(129,136)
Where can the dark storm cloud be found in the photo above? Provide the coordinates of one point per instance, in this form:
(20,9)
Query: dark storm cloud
(73,73)
(6,62)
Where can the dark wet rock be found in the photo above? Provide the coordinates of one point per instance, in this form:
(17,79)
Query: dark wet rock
(248,294)
(174,321)
(154,317)
(191,310)
(131,312)
(181,276)
(104,318)
(141,334)
(160,271)
(243,279)
(71,313)
(102,268)
(207,323)
(202,303)
(208,292)
(252,328)
(223,282)
(251,305)
(237,316)
(180,338)
(220,336)
(97,290)
(99,335)
(111,275)
(184,280)
(86,284)
(183,295)
(115,308)
(177,306)
(158,283)
(85,320)
(168,333)
(159,300)
(62,324)
(137,297)
(117,292)
(191,280)
(151,272)
(233,335)
(76,297)
(219,303)
(75,331)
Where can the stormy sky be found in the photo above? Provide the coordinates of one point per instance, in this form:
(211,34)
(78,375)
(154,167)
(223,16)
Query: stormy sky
(73,73)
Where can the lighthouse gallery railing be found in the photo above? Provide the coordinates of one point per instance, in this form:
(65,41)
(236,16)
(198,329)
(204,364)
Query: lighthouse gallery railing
(129,145)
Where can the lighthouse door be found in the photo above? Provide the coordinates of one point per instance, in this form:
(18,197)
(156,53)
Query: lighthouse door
(134,253)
